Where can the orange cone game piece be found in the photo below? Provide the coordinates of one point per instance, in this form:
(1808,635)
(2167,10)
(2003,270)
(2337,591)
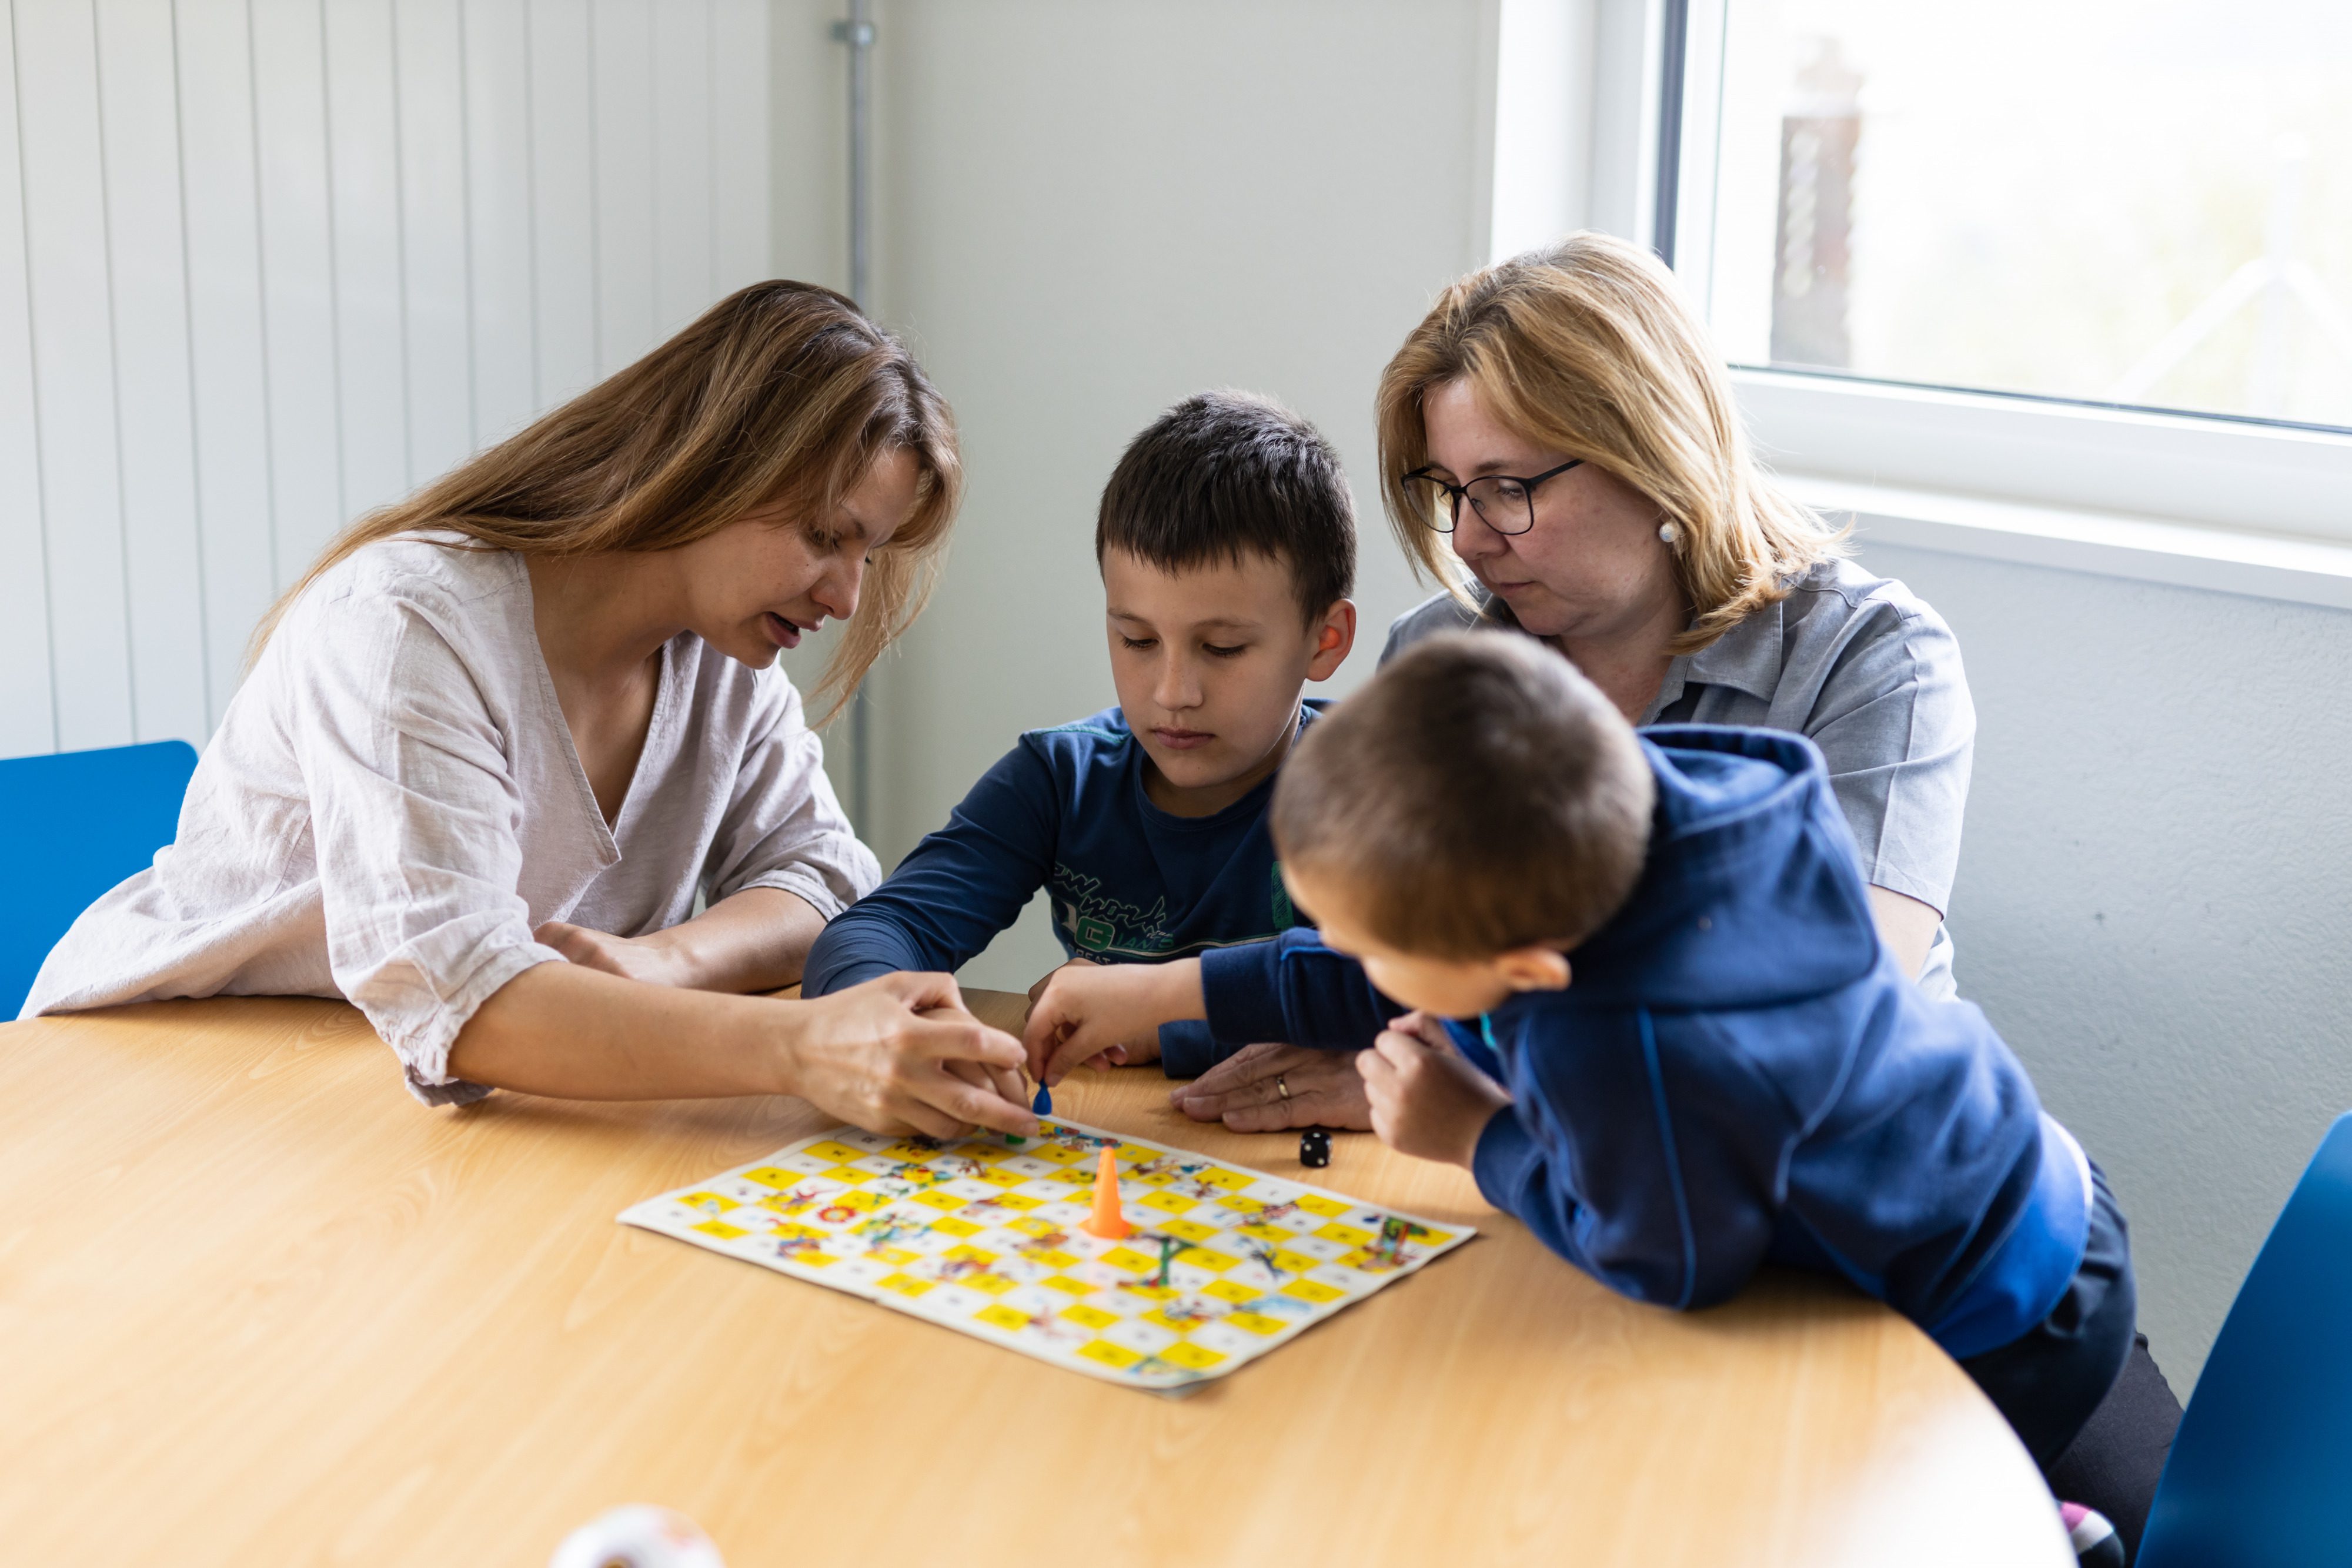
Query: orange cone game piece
(1106,1221)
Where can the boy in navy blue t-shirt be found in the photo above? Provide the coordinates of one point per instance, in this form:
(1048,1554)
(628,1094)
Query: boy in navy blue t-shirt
(1227,545)
(1651,1015)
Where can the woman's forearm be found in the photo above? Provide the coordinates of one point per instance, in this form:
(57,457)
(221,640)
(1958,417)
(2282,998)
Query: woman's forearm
(577,1033)
(757,940)
(754,941)
(897,1054)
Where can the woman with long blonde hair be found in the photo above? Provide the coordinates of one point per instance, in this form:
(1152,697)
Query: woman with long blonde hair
(500,736)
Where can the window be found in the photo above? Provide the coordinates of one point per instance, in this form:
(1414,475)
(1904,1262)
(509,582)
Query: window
(2142,203)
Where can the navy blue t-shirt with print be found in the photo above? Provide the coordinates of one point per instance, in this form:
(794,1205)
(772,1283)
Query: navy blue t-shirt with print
(1129,884)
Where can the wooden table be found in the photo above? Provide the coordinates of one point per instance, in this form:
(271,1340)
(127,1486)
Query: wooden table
(258,1306)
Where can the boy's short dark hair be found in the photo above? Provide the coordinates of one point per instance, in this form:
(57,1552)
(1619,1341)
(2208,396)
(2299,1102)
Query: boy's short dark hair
(1224,476)
(1479,795)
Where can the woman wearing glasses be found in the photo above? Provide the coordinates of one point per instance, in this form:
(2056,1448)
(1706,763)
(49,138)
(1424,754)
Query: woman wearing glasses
(1562,420)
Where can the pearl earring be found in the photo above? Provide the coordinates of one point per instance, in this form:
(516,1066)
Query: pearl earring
(1666,533)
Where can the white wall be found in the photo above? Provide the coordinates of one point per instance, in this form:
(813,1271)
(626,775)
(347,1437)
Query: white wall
(1543,122)
(1092,210)
(268,264)
(2150,903)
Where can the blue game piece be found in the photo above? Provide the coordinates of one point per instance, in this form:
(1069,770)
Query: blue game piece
(1043,1103)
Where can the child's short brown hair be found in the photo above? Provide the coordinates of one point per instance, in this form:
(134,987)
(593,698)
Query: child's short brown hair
(1224,476)
(1478,796)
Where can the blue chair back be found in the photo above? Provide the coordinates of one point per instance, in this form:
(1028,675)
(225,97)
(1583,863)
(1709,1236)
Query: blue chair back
(72,826)
(2257,1472)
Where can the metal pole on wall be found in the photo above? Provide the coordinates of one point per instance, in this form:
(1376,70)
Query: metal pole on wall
(857,32)
(1672,67)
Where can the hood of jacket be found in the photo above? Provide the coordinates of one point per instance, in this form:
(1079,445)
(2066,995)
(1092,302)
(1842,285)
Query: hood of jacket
(1752,894)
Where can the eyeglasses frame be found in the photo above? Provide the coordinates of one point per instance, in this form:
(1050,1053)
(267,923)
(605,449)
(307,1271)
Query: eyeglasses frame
(1457,494)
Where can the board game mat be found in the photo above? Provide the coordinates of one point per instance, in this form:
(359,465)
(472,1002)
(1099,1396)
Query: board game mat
(981,1234)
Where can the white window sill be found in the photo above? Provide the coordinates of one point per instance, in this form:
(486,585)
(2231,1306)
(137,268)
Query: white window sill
(2110,544)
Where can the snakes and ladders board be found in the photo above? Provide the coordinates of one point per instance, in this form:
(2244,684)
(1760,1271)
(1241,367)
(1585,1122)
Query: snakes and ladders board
(981,1234)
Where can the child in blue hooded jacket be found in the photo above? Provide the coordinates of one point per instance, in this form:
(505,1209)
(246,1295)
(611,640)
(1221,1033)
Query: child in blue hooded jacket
(1651,1013)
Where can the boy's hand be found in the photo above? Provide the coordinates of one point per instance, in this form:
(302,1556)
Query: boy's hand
(1091,1012)
(1133,1052)
(1427,1101)
(1046,978)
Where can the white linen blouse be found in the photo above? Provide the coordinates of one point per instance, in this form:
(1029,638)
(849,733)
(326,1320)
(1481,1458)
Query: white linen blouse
(393,804)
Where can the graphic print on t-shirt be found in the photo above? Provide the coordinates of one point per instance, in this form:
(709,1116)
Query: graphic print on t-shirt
(1102,926)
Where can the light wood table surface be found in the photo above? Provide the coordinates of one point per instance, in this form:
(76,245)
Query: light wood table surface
(259,1306)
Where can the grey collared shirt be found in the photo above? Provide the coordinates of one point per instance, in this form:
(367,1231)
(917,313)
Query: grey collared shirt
(1861,667)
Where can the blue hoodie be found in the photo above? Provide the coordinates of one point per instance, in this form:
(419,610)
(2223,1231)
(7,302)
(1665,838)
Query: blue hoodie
(1739,1074)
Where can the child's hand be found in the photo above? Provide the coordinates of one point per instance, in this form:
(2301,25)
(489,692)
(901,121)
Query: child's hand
(1427,1102)
(1133,1052)
(1046,978)
(1089,1011)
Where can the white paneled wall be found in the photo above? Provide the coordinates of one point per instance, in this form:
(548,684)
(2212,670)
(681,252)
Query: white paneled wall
(265,265)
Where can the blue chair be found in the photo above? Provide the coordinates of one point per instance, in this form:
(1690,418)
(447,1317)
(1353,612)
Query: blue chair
(2257,1476)
(76,824)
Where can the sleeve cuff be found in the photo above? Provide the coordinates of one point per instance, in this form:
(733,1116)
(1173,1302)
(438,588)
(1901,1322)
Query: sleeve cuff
(1187,1048)
(423,1042)
(455,1092)
(1895,878)
(801,884)
(1505,1154)
(1242,988)
(842,977)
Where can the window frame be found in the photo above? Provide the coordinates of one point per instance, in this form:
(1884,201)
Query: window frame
(2218,471)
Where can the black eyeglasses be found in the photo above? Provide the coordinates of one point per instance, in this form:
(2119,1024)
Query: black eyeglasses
(1504,503)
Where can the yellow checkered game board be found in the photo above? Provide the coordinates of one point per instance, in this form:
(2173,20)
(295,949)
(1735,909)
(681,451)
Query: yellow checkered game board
(981,1234)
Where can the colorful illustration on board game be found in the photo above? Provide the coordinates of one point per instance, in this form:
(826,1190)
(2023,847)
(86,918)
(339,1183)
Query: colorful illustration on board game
(1017,1242)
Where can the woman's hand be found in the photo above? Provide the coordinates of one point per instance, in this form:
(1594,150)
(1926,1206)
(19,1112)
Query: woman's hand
(755,940)
(1091,1010)
(897,1054)
(901,1054)
(1245,1091)
(1426,1100)
(631,957)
